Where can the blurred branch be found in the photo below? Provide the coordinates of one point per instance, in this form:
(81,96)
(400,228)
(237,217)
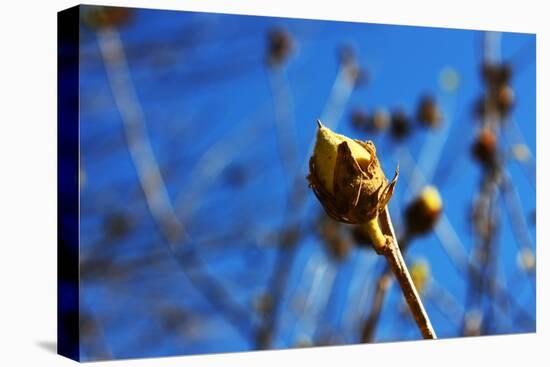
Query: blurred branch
(342,88)
(136,133)
(152,183)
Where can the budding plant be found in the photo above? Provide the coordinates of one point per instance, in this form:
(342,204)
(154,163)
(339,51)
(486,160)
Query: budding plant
(346,176)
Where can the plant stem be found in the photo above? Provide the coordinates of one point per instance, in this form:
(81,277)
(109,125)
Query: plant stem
(385,243)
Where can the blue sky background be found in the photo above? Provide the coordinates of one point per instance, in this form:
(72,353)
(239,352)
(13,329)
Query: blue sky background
(202,82)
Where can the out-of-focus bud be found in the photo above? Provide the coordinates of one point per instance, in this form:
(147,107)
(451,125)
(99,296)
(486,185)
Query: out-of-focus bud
(472,323)
(521,152)
(347,178)
(495,75)
(380,119)
(348,59)
(484,148)
(360,119)
(375,123)
(420,275)
(280,46)
(423,212)
(449,79)
(504,99)
(346,55)
(117,225)
(98,17)
(526,260)
(481,108)
(400,126)
(303,341)
(428,113)
(263,304)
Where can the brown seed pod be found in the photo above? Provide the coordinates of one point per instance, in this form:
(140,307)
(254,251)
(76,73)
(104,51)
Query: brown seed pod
(380,120)
(280,46)
(263,304)
(360,119)
(423,212)
(348,59)
(504,100)
(495,75)
(98,17)
(117,225)
(428,113)
(484,148)
(346,54)
(346,177)
(375,123)
(400,126)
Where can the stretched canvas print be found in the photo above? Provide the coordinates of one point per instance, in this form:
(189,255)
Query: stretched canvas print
(236,183)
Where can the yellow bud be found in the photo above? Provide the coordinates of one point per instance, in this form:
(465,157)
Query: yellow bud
(422,213)
(420,275)
(526,260)
(521,152)
(431,199)
(346,177)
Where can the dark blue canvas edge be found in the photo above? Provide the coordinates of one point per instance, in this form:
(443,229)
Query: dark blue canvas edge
(68,335)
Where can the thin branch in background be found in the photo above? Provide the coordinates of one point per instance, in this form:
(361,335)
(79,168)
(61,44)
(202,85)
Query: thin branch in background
(139,146)
(518,225)
(284,119)
(153,186)
(520,151)
(341,91)
(371,321)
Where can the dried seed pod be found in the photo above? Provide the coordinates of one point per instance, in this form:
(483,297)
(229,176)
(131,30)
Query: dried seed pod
(348,59)
(99,17)
(483,107)
(400,125)
(360,119)
(346,54)
(504,100)
(364,122)
(484,148)
(346,177)
(380,120)
(423,212)
(117,225)
(280,46)
(263,304)
(495,75)
(428,113)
